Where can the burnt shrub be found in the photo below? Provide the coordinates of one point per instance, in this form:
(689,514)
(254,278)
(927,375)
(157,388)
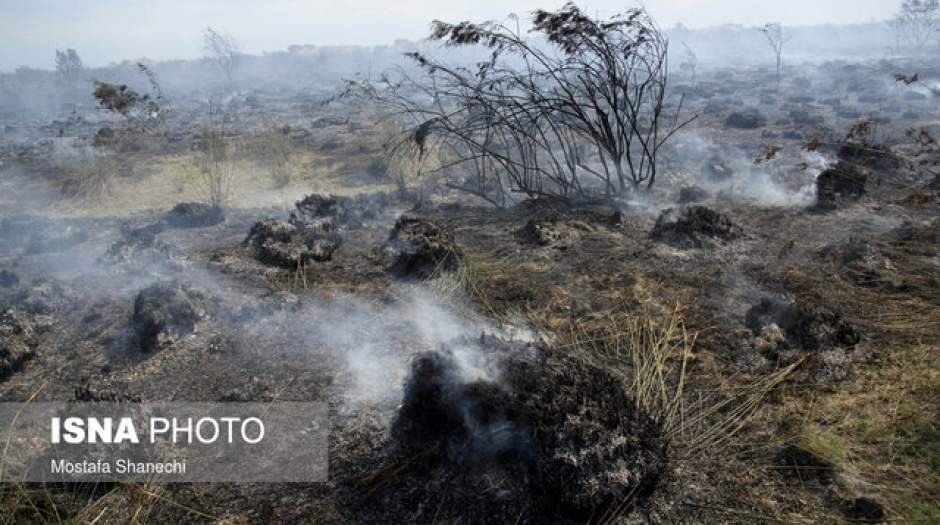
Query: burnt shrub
(560,437)
(747,119)
(693,227)
(840,185)
(164,313)
(194,215)
(419,248)
(284,244)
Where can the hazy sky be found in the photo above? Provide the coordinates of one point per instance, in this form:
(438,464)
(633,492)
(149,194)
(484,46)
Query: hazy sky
(110,30)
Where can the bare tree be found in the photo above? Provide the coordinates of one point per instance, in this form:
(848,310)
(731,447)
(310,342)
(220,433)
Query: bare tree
(216,170)
(222,51)
(540,118)
(919,21)
(68,64)
(777,39)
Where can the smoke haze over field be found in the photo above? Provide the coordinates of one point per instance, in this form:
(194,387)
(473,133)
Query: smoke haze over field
(108,30)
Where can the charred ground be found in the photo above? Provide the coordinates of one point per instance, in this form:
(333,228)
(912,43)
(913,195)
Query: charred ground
(807,286)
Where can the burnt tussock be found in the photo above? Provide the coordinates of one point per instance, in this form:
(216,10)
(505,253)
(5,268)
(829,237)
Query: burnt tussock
(546,436)
(418,248)
(694,227)
(167,312)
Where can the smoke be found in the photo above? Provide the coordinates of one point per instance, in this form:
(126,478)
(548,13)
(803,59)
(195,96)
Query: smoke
(763,187)
(730,173)
(375,342)
(365,345)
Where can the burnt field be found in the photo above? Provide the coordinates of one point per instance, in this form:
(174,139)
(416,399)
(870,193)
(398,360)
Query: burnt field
(753,338)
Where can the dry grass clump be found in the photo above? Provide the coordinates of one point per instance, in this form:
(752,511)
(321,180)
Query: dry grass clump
(289,281)
(91,180)
(468,280)
(655,347)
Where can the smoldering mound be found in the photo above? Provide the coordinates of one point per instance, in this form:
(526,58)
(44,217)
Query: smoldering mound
(547,436)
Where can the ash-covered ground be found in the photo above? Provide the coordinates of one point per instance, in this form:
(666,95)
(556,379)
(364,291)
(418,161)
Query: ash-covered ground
(754,339)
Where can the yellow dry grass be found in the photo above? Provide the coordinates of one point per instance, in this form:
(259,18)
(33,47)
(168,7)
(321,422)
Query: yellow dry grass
(160,182)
